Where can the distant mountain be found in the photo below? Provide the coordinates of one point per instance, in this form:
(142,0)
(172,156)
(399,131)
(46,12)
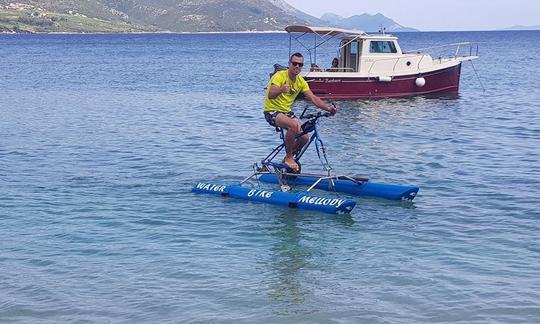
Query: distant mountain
(161,15)
(520,27)
(310,20)
(365,22)
(205,15)
(170,15)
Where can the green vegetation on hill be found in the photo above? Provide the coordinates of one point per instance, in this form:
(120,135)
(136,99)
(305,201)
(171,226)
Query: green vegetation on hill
(28,21)
(143,15)
(92,16)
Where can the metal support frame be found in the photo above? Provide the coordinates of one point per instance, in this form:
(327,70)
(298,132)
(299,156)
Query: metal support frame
(269,167)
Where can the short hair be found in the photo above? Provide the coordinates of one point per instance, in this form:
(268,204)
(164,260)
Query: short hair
(295,54)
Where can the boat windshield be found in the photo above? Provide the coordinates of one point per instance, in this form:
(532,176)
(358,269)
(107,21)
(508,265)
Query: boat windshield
(382,47)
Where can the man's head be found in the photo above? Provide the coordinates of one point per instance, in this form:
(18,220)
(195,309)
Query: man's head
(296,62)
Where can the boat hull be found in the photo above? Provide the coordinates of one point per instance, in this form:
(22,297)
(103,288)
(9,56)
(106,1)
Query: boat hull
(444,81)
(360,188)
(302,200)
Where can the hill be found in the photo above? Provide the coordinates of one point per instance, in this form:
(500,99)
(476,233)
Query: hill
(309,20)
(365,22)
(147,15)
(520,27)
(31,19)
(170,15)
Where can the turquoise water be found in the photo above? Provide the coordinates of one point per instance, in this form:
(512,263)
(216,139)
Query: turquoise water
(102,137)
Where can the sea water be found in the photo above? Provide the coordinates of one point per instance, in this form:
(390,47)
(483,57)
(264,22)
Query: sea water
(103,136)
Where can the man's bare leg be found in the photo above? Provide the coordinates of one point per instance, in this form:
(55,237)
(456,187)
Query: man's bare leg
(292,125)
(300,143)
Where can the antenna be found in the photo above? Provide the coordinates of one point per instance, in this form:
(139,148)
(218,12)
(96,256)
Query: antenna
(382,29)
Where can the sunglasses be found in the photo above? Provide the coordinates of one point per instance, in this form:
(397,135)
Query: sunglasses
(296,63)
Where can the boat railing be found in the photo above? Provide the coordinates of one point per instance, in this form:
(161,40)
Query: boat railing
(340,69)
(331,69)
(457,50)
(450,51)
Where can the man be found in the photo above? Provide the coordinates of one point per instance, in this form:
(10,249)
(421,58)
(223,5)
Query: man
(281,92)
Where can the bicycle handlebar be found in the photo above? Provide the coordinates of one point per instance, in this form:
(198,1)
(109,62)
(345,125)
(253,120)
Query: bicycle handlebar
(309,125)
(317,115)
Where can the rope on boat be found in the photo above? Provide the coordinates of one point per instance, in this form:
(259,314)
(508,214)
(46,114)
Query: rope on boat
(478,77)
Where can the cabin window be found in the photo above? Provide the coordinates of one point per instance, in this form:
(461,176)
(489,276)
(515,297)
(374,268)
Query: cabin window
(354,48)
(382,47)
(349,56)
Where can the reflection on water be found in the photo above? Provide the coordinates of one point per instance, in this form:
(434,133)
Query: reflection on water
(289,257)
(296,253)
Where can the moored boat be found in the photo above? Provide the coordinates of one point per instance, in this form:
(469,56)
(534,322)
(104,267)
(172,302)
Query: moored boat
(372,66)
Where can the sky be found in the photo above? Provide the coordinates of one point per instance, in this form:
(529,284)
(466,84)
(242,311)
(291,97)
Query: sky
(433,15)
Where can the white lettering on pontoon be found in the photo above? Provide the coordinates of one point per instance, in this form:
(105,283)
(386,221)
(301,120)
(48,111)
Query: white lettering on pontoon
(321,201)
(260,193)
(210,187)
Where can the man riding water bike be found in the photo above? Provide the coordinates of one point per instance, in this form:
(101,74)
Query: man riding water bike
(282,90)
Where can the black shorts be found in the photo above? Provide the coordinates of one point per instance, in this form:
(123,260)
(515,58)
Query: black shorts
(270,116)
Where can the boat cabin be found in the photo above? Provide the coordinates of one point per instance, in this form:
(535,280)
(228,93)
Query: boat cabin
(357,54)
(361,53)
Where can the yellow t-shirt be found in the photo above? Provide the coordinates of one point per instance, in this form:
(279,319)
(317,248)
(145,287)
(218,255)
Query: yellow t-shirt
(284,101)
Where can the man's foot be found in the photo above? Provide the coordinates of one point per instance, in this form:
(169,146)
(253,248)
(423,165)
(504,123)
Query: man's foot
(291,164)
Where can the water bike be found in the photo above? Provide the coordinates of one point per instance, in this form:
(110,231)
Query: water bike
(287,179)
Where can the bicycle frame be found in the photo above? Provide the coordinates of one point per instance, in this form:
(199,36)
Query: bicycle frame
(309,126)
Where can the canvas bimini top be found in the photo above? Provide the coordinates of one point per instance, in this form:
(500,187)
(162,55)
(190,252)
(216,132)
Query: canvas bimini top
(323,31)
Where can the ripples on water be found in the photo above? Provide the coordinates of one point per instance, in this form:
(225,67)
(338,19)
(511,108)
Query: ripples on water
(101,138)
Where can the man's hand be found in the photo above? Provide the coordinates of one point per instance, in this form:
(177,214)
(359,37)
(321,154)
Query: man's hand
(276,90)
(332,109)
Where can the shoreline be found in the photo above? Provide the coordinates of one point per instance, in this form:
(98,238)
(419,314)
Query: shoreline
(143,32)
(235,32)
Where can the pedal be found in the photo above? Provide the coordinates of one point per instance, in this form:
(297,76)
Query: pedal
(284,168)
(263,168)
